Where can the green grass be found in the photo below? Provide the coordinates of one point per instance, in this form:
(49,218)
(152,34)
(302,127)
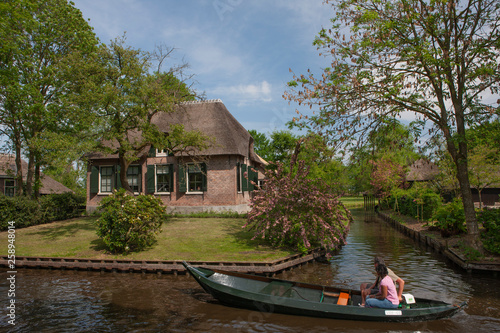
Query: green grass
(352,202)
(182,238)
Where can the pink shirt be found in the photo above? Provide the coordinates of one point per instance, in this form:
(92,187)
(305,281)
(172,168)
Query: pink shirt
(392,294)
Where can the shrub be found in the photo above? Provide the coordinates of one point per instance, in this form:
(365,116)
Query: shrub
(27,212)
(490,218)
(421,203)
(61,206)
(130,223)
(450,218)
(23,211)
(291,211)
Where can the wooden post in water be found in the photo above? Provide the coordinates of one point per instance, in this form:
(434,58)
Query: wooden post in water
(369,206)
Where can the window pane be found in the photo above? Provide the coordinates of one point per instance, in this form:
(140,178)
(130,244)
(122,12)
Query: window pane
(195,182)
(106,179)
(162,178)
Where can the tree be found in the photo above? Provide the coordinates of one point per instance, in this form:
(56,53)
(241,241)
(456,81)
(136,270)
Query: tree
(37,36)
(386,176)
(125,97)
(390,141)
(282,213)
(483,170)
(436,59)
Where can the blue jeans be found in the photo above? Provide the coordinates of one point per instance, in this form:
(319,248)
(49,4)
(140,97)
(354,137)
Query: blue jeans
(372,302)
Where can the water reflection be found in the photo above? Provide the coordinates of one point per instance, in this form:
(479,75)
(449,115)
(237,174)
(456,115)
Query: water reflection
(69,301)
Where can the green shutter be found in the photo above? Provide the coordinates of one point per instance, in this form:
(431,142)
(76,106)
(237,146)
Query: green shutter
(182,178)
(94,180)
(150,179)
(204,177)
(171,175)
(252,177)
(244,177)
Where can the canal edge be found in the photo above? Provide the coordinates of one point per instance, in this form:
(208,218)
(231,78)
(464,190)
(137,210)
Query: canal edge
(163,266)
(441,247)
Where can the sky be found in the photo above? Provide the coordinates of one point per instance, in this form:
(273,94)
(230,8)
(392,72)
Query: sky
(238,51)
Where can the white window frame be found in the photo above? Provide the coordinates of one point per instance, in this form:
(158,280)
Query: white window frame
(170,178)
(101,178)
(139,178)
(161,152)
(188,191)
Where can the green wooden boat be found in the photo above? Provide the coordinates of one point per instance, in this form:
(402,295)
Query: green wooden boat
(273,295)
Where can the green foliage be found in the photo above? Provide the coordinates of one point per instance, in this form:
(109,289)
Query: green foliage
(62,206)
(470,253)
(38,37)
(22,210)
(28,212)
(450,218)
(419,203)
(130,223)
(490,218)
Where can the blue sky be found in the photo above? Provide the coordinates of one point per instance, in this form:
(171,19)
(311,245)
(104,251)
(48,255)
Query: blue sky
(239,51)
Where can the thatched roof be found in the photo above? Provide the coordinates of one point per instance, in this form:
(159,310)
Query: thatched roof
(212,119)
(8,170)
(422,170)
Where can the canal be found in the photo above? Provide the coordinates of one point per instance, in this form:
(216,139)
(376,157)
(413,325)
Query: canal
(75,301)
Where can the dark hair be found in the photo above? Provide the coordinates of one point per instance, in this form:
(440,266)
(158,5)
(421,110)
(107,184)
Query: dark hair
(378,261)
(382,270)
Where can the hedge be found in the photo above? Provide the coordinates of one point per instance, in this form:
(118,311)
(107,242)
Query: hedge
(27,212)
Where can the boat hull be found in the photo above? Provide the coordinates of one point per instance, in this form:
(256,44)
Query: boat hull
(235,295)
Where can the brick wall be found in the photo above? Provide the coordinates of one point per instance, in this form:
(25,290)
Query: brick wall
(221,183)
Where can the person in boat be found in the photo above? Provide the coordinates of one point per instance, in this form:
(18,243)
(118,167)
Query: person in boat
(367,289)
(387,296)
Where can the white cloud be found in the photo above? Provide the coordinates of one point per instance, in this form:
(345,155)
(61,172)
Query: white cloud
(244,94)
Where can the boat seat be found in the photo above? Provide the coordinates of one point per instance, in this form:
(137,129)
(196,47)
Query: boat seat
(343,298)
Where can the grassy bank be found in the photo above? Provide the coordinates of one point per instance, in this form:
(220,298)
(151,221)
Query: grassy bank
(181,239)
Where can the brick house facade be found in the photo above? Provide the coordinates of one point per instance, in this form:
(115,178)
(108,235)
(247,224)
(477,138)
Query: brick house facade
(218,179)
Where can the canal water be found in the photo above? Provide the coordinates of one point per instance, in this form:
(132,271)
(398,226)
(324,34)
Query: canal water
(72,301)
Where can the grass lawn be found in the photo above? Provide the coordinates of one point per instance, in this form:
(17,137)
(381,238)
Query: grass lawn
(217,239)
(352,202)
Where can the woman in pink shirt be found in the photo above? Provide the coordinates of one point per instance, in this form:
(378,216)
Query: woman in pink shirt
(387,297)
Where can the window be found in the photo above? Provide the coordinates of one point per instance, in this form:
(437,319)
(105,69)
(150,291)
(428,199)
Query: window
(192,177)
(161,152)
(163,178)
(195,178)
(106,179)
(10,187)
(134,178)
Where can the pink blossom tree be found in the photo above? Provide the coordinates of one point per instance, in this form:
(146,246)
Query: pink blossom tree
(292,211)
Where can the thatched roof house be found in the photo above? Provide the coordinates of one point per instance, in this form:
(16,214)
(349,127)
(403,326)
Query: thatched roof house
(227,164)
(422,170)
(8,172)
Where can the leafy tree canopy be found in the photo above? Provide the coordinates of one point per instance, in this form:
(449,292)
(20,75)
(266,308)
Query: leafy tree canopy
(437,59)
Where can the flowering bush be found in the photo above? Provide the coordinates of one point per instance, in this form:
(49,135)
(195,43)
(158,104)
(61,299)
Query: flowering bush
(130,223)
(291,211)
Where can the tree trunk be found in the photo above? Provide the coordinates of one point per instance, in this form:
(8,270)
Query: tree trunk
(30,174)
(124,164)
(19,167)
(480,199)
(469,210)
